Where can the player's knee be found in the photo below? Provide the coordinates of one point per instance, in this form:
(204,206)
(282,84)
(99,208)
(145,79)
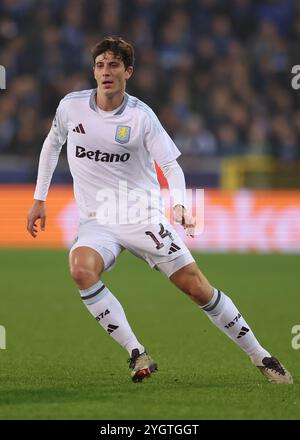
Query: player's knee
(86,266)
(82,274)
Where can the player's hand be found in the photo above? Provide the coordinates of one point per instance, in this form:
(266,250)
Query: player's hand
(182,217)
(37,211)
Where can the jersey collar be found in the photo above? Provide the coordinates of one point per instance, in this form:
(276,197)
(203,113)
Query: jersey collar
(93,104)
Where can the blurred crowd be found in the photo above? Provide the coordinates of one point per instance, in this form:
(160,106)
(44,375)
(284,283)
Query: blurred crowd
(217,72)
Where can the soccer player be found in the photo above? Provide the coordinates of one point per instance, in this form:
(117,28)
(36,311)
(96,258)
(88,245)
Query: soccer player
(113,138)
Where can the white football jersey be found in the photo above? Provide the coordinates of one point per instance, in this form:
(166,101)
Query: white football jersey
(107,150)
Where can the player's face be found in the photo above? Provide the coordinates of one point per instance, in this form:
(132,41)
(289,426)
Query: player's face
(110,74)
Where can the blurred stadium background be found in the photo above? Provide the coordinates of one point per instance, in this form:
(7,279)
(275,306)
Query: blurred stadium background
(218,74)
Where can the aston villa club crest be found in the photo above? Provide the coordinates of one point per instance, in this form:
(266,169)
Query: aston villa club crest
(122,134)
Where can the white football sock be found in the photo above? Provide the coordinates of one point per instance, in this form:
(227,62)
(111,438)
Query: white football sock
(224,314)
(107,310)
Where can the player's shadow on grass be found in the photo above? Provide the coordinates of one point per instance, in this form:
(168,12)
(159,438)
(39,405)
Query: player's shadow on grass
(52,395)
(101,391)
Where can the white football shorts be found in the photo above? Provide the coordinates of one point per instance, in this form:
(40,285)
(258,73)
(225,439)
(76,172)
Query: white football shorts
(157,244)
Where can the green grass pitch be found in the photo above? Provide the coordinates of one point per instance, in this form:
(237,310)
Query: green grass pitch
(60,364)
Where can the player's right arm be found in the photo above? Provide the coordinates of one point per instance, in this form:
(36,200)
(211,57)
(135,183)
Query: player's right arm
(47,164)
(36,212)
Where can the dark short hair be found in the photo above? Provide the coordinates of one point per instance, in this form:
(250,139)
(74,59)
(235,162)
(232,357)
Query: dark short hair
(119,47)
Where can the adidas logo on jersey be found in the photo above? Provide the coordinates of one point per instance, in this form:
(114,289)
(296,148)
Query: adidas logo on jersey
(97,155)
(173,248)
(79,129)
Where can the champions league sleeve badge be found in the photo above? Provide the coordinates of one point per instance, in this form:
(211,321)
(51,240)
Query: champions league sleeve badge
(122,134)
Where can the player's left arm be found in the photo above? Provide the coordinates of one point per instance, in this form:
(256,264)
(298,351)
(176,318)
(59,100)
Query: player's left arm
(175,178)
(164,152)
